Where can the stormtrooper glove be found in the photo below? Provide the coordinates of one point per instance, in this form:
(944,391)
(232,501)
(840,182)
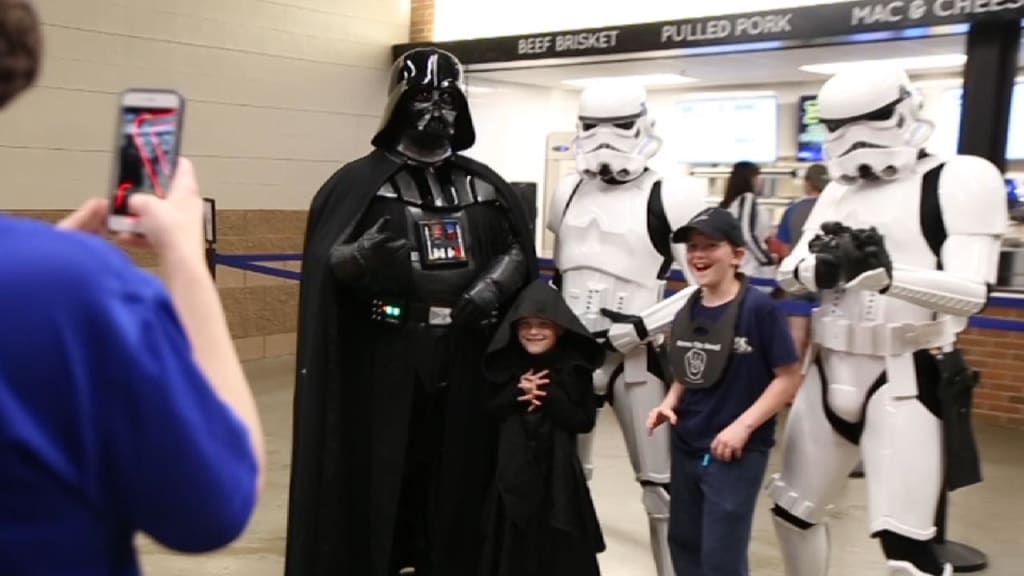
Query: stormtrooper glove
(851,258)
(627,332)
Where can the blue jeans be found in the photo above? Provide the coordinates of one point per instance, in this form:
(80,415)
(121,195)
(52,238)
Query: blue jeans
(712,512)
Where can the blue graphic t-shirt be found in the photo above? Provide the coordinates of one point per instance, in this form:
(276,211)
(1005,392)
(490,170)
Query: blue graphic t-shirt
(761,344)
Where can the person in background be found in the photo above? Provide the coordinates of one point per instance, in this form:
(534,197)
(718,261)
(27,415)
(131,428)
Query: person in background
(123,406)
(741,192)
(790,229)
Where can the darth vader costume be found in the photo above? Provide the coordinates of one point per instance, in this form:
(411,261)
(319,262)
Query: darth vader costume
(539,519)
(411,255)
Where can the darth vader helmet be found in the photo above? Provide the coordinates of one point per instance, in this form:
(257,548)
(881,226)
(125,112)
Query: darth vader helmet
(427,103)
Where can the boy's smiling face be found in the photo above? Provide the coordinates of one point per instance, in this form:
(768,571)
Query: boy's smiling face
(537,335)
(712,260)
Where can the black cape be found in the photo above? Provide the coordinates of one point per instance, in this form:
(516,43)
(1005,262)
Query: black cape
(539,519)
(333,527)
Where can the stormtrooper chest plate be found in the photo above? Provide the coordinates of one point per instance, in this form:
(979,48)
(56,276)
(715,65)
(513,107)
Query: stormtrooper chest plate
(604,252)
(604,229)
(894,209)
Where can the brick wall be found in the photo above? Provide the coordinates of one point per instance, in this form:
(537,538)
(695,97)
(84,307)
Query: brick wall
(999,356)
(261,310)
(421,22)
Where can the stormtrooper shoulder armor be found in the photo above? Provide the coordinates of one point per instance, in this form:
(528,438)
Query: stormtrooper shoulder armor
(560,200)
(681,201)
(972,196)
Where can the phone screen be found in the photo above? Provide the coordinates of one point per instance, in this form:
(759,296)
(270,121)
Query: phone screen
(148,153)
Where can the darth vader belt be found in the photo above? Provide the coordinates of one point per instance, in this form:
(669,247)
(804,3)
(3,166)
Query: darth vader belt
(399,312)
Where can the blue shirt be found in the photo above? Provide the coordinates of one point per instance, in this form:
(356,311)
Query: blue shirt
(793,219)
(761,344)
(107,426)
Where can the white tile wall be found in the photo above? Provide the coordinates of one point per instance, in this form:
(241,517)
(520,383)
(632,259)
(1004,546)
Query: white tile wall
(280,93)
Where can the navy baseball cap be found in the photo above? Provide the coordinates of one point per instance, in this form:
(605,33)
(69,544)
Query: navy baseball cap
(716,223)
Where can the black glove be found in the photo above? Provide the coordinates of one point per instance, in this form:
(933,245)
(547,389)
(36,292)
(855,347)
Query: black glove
(827,247)
(636,321)
(376,249)
(843,253)
(481,304)
(871,255)
(478,305)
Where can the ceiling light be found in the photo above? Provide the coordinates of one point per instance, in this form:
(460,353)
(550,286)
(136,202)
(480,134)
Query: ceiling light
(937,82)
(726,94)
(911,63)
(645,79)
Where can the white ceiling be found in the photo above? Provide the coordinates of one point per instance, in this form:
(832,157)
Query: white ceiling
(738,69)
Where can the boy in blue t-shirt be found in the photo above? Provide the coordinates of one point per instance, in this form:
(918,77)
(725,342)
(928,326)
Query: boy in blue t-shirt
(735,367)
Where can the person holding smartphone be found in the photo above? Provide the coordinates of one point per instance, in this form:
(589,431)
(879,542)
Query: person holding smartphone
(123,406)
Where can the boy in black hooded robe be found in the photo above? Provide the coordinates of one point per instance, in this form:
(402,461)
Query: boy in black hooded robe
(539,519)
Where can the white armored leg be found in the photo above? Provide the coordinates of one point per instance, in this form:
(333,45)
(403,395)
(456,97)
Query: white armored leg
(635,394)
(899,568)
(816,460)
(656,502)
(815,463)
(804,552)
(585,449)
(585,442)
(902,446)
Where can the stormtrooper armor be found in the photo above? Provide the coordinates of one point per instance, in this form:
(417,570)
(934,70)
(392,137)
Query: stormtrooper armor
(613,222)
(902,247)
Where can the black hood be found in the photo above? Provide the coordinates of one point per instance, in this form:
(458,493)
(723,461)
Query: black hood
(422,70)
(541,300)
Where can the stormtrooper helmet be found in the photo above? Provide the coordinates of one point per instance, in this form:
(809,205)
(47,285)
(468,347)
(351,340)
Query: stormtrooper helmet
(874,123)
(614,135)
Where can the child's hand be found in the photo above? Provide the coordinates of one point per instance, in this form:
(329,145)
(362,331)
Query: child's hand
(659,416)
(530,383)
(729,443)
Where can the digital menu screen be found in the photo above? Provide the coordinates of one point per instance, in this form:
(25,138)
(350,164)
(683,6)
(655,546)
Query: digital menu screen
(727,130)
(811,132)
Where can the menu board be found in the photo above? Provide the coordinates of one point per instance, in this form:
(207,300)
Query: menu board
(728,130)
(811,132)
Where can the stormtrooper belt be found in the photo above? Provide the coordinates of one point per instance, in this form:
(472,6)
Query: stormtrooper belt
(879,339)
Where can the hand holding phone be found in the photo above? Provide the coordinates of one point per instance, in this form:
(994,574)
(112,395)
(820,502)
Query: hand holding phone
(146,153)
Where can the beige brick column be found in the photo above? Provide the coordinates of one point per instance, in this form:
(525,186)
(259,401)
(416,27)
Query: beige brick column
(421,22)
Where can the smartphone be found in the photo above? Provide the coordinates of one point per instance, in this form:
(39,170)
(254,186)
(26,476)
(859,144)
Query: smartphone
(146,151)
